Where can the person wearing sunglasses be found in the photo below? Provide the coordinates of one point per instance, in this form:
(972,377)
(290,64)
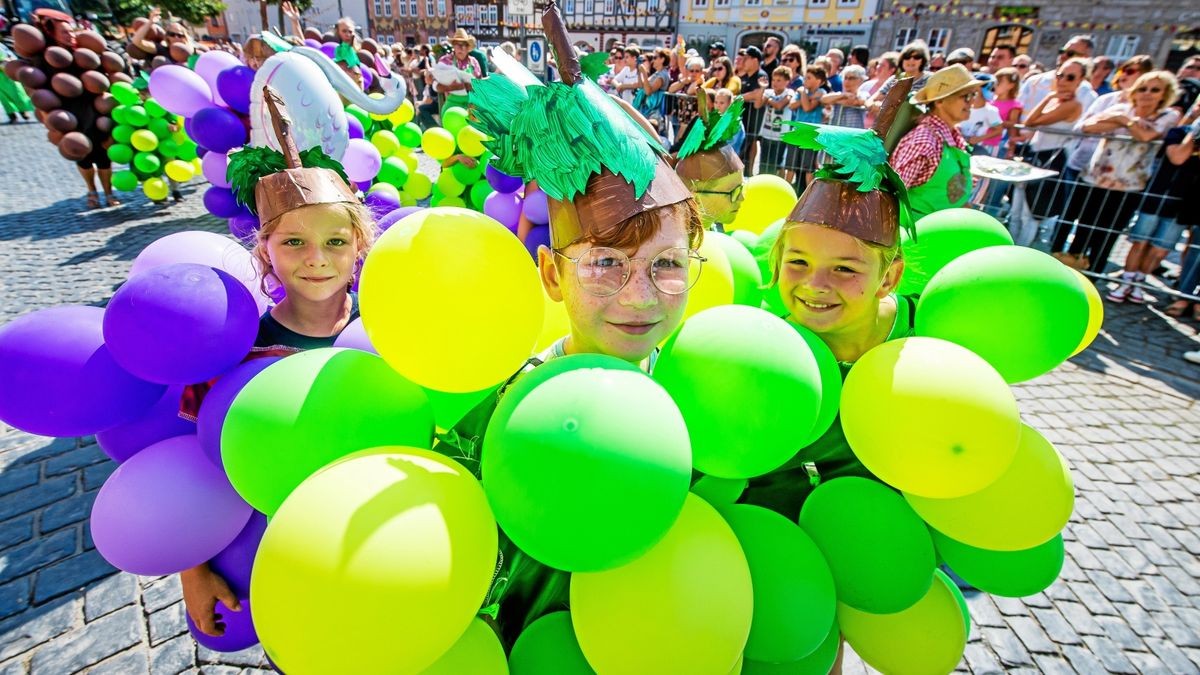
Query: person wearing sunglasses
(914,63)
(1035,88)
(933,159)
(173,42)
(722,76)
(1117,175)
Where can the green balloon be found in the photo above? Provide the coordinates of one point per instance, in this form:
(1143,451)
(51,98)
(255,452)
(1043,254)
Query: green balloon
(449,408)
(153,109)
(943,236)
(409,135)
(1011,574)
(125,93)
(452,201)
(125,181)
(877,547)
(310,409)
(479,194)
(719,491)
(418,185)
(831,384)
(118,115)
(121,154)
(548,647)
(169,149)
(794,601)
(820,662)
(1021,310)
(159,127)
(449,185)
(748,238)
(466,175)
(393,171)
(187,151)
(122,134)
(385,142)
(360,115)
(136,116)
(747,279)
(728,368)
(762,255)
(586,465)
(453,119)
(147,162)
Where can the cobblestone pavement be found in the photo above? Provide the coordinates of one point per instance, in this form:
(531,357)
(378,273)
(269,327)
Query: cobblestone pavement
(1124,414)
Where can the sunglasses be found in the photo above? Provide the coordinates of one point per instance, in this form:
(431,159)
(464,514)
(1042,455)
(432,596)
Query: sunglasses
(695,70)
(1152,90)
(1068,52)
(912,57)
(176,35)
(1069,77)
(1023,66)
(790,58)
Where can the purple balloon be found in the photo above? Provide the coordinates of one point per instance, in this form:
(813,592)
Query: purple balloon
(244,226)
(201,151)
(236,560)
(217,401)
(535,207)
(180,90)
(214,166)
(204,248)
(182,323)
(355,127)
(538,236)
(329,49)
(165,510)
(354,336)
(59,378)
(504,207)
(161,421)
(239,629)
(500,181)
(220,202)
(309,42)
(209,67)
(233,85)
(218,129)
(367,77)
(395,215)
(381,203)
(362,160)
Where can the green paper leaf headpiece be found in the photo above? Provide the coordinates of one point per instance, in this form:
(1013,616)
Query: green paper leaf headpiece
(252,163)
(711,128)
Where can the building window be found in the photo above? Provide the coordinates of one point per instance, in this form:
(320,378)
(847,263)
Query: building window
(608,7)
(412,7)
(378,8)
(848,3)
(429,8)
(939,39)
(904,36)
(753,3)
(569,7)
(441,8)
(818,3)
(402,9)
(1122,46)
(387,7)
(589,7)
(722,3)
(699,3)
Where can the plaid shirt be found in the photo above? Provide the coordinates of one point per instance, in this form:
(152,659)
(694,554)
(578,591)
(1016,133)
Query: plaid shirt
(917,155)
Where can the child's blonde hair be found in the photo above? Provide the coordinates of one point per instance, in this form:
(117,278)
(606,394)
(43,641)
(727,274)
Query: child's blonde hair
(361,223)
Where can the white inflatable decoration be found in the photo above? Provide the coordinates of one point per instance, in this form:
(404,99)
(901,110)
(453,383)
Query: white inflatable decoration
(310,83)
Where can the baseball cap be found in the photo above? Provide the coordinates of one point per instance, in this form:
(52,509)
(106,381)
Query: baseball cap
(754,52)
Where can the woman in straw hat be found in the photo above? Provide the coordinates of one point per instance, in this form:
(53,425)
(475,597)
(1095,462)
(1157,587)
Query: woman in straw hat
(460,59)
(933,159)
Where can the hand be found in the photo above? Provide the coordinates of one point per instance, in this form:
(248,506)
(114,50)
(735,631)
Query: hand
(289,10)
(202,588)
(155,15)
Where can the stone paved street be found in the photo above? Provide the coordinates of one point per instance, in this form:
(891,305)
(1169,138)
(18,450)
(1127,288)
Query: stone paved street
(1124,414)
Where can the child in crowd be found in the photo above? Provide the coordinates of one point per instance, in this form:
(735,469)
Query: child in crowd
(722,99)
(807,107)
(777,102)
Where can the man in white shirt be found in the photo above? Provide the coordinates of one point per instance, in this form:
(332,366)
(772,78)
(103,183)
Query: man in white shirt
(1038,87)
(626,80)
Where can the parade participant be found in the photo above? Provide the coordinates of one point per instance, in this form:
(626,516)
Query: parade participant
(461,60)
(176,46)
(13,99)
(933,158)
(623,236)
(313,233)
(709,164)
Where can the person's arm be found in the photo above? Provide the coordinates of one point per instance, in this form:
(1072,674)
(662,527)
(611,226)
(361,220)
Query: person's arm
(810,102)
(289,10)
(735,85)
(677,86)
(202,588)
(783,101)
(1179,153)
(1063,113)
(994,131)
(139,36)
(916,157)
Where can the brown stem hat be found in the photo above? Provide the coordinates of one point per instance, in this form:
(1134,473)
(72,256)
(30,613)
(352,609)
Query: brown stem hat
(597,165)
(705,153)
(855,191)
(271,183)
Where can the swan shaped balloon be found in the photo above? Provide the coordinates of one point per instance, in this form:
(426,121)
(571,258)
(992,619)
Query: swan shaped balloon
(309,83)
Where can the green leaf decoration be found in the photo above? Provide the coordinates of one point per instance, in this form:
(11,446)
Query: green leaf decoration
(250,164)
(315,158)
(594,65)
(275,42)
(712,129)
(345,54)
(853,155)
(694,141)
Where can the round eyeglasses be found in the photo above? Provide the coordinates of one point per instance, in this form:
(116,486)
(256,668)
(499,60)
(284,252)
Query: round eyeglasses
(604,271)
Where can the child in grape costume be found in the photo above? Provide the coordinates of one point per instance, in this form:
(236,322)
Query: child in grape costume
(313,231)
(709,166)
(837,263)
(611,195)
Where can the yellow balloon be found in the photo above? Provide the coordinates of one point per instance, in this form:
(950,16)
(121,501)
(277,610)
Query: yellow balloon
(927,638)
(952,424)
(555,324)
(1025,507)
(767,199)
(478,652)
(437,143)
(451,264)
(471,141)
(1095,312)
(403,114)
(406,155)
(418,185)
(155,189)
(144,140)
(197,166)
(683,607)
(715,285)
(179,170)
(376,116)
(400,541)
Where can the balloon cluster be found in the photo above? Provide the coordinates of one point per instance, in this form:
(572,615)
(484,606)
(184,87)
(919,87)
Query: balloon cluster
(68,87)
(150,141)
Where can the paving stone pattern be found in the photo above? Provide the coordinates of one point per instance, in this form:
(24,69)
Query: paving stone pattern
(1123,413)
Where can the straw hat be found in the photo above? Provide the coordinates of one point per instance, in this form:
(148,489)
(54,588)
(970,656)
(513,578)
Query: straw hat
(461,35)
(945,83)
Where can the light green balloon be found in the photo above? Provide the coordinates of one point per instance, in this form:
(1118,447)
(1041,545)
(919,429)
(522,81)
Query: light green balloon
(943,236)
(478,652)
(418,185)
(548,647)
(385,142)
(747,279)
(820,662)
(719,491)
(454,119)
(449,185)
(1011,574)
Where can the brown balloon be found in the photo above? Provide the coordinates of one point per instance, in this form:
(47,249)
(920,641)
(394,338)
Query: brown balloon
(139,22)
(27,40)
(95,82)
(311,33)
(59,57)
(12,69)
(90,39)
(105,104)
(135,52)
(61,120)
(329,37)
(112,62)
(157,34)
(55,137)
(44,99)
(120,77)
(366,57)
(86,58)
(105,124)
(370,45)
(75,146)
(180,52)
(158,62)
(31,77)
(66,85)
